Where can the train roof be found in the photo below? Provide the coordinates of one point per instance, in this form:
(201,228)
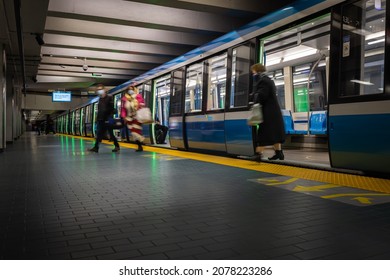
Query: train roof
(260,26)
(232,38)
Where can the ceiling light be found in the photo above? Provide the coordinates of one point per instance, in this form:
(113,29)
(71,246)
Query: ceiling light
(362,82)
(375,42)
(378,4)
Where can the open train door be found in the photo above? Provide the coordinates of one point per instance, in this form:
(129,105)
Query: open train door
(359,104)
(177,130)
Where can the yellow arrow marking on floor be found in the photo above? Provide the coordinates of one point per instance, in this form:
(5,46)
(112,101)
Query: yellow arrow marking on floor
(276,182)
(360,197)
(363,200)
(314,188)
(353,194)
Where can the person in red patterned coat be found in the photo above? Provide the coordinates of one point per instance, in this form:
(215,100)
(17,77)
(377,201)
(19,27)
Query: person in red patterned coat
(131,102)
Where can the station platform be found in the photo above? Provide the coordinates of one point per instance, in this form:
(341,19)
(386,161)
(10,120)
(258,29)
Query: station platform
(59,201)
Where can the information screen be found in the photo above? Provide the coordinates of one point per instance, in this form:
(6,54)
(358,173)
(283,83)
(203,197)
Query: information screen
(62,96)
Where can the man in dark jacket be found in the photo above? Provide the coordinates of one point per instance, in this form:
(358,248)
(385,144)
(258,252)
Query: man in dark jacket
(105,111)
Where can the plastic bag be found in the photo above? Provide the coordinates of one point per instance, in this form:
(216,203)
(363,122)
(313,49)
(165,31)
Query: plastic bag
(256,115)
(144,115)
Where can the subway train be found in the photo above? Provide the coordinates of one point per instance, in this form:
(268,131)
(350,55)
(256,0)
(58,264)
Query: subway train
(329,64)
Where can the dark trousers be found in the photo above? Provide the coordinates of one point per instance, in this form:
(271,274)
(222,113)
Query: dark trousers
(102,128)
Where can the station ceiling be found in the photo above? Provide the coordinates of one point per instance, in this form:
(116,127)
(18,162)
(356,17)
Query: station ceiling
(116,39)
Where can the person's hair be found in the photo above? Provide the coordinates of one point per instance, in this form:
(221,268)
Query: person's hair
(258,68)
(100,86)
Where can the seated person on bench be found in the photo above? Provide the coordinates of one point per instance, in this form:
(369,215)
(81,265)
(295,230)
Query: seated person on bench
(160,131)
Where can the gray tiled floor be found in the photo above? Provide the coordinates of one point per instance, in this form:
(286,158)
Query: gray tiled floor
(59,202)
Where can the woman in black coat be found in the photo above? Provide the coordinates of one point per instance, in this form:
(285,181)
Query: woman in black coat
(271,130)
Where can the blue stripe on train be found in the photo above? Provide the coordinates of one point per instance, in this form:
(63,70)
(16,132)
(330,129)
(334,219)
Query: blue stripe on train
(360,142)
(363,133)
(213,132)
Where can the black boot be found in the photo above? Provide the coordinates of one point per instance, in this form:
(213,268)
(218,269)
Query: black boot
(94,149)
(139,143)
(278,155)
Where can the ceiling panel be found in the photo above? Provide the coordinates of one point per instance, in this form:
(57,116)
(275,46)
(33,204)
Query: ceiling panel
(117,39)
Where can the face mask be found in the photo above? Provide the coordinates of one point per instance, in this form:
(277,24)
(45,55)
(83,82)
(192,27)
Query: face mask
(100,91)
(131,92)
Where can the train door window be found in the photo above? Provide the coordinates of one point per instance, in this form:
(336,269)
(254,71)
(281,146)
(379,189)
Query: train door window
(177,92)
(82,110)
(278,77)
(298,55)
(95,110)
(309,87)
(88,115)
(117,105)
(163,87)
(147,93)
(216,91)
(241,60)
(363,48)
(194,92)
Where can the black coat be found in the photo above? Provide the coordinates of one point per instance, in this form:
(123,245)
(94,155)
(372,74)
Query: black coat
(105,108)
(271,131)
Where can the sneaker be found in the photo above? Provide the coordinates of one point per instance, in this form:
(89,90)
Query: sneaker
(94,149)
(116,149)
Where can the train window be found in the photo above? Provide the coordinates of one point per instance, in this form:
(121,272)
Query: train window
(194,84)
(278,77)
(240,76)
(296,60)
(363,48)
(117,105)
(216,91)
(87,114)
(309,87)
(163,87)
(177,92)
(147,93)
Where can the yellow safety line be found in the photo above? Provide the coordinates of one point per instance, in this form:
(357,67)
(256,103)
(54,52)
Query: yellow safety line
(341,179)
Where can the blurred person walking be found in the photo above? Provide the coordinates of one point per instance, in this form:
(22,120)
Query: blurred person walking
(105,111)
(132,101)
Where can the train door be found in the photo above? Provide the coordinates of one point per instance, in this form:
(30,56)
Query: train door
(359,103)
(216,69)
(76,130)
(205,103)
(146,91)
(88,121)
(239,139)
(66,123)
(176,116)
(117,106)
(82,121)
(297,61)
(161,105)
(94,112)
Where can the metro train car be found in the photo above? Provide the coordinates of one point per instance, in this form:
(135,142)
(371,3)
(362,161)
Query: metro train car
(330,64)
